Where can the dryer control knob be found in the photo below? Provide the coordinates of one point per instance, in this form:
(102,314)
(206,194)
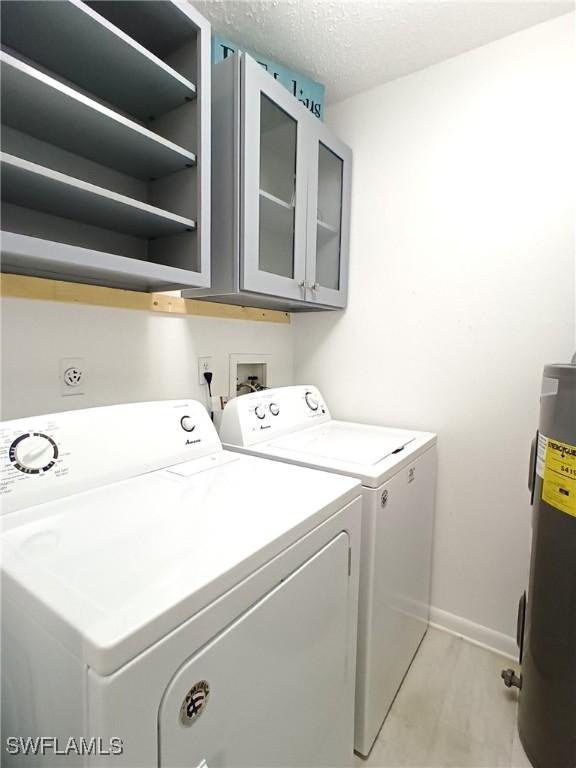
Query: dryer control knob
(311,401)
(187,424)
(274,409)
(259,411)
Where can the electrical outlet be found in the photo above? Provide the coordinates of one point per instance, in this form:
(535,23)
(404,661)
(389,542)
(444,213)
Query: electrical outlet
(204,366)
(72,376)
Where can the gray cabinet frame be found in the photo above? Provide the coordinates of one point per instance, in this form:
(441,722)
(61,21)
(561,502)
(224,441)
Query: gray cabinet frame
(237,85)
(255,81)
(316,293)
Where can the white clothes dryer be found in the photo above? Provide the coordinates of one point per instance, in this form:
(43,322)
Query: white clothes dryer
(169,603)
(397,469)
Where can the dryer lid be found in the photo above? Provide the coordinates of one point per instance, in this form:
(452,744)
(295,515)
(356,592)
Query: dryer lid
(112,570)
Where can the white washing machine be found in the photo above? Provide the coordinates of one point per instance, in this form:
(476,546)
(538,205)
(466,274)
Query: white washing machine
(398,473)
(168,603)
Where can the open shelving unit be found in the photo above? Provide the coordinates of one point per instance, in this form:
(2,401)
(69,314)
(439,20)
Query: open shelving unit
(106,142)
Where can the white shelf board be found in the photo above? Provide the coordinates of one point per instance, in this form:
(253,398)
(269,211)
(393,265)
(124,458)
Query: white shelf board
(325,233)
(43,189)
(275,214)
(36,103)
(328,228)
(71,39)
(276,200)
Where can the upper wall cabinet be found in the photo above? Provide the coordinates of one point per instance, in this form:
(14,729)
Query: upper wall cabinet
(280,196)
(106,142)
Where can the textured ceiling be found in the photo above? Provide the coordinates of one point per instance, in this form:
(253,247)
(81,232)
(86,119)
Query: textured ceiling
(353,45)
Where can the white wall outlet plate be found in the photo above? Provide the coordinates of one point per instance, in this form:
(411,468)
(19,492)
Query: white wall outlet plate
(72,376)
(204,366)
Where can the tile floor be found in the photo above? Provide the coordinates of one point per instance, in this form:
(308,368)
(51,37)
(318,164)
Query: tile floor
(453,711)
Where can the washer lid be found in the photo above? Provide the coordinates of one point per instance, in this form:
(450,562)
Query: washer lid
(370,453)
(112,570)
(354,443)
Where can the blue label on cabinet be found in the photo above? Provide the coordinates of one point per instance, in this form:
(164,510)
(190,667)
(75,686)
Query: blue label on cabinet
(308,91)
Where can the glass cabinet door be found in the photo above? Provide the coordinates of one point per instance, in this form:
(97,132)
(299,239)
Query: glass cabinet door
(274,201)
(328,220)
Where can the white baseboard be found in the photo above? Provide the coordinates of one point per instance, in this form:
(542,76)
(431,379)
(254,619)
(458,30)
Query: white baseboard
(474,633)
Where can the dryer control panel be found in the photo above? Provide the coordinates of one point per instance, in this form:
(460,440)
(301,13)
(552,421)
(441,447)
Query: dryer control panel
(259,416)
(47,457)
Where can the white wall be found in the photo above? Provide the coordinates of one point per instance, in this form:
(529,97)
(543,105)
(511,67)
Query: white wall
(461,288)
(129,355)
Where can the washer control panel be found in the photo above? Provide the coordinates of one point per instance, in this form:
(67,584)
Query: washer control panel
(260,416)
(46,457)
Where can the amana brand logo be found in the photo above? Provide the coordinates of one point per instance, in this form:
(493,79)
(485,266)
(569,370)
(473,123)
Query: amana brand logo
(193,442)
(194,702)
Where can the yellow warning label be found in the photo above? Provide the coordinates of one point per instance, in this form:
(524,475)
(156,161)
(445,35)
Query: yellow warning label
(559,477)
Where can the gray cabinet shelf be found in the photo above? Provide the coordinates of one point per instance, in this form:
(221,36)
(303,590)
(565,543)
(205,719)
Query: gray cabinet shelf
(69,119)
(267,198)
(275,214)
(35,256)
(106,142)
(74,41)
(155,24)
(328,229)
(325,233)
(42,189)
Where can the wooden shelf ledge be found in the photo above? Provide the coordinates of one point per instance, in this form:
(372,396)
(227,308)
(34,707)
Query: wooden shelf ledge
(42,289)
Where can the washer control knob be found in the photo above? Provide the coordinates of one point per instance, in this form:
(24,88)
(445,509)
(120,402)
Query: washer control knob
(33,453)
(259,411)
(311,401)
(187,424)
(274,409)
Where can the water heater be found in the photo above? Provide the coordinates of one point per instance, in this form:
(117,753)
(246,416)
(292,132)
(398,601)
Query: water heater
(547,708)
